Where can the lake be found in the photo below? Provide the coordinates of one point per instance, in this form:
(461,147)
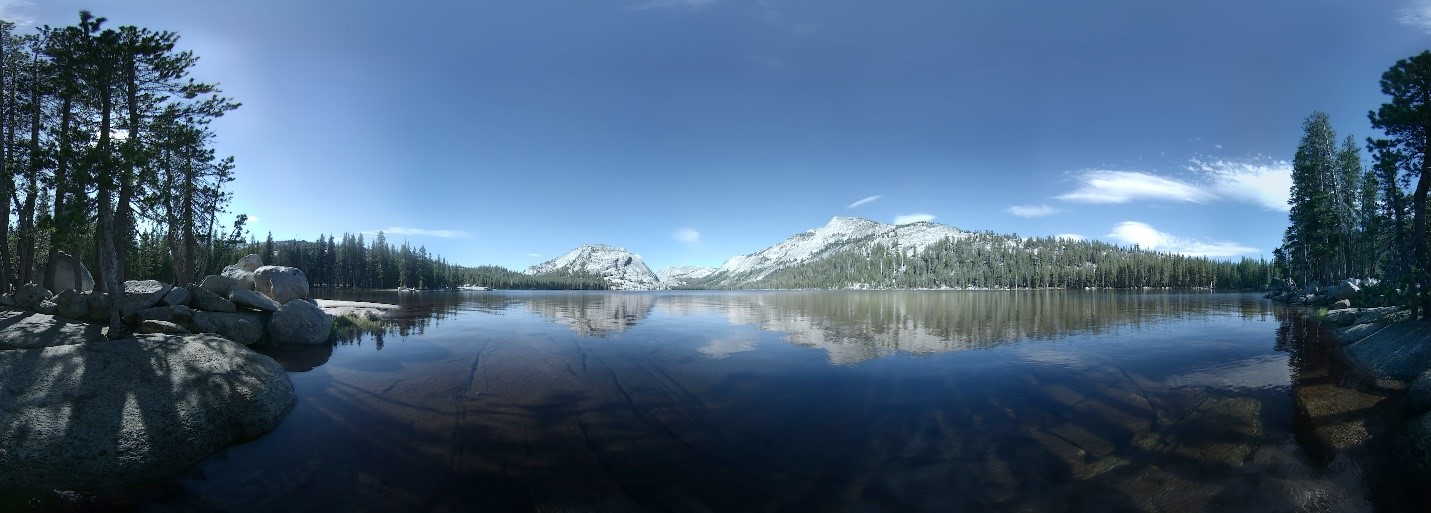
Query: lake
(813,401)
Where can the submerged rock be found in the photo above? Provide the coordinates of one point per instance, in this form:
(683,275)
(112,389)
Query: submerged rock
(107,415)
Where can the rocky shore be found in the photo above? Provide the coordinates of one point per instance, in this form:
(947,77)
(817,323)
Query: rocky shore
(1384,347)
(81,412)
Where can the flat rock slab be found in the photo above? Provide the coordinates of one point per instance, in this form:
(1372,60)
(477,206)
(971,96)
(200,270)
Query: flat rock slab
(29,330)
(109,414)
(363,309)
(1400,351)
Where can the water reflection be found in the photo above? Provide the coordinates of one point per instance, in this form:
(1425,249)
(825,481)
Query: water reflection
(852,326)
(689,402)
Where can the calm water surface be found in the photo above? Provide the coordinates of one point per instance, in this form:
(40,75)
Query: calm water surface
(810,401)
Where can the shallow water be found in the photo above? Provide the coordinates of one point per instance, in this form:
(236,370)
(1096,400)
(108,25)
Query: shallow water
(812,401)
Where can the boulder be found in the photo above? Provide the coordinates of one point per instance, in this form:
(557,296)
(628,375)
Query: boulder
(243,270)
(1340,304)
(47,307)
(155,326)
(141,294)
(107,415)
(250,262)
(176,296)
(242,279)
(1347,289)
(70,273)
(1400,351)
(281,283)
(30,295)
(71,304)
(220,285)
(98,305)
(1376,315)
(177,314)
(8,300)
(254,300)
(202,299)
(243,327)
(300,322)
(1341,317)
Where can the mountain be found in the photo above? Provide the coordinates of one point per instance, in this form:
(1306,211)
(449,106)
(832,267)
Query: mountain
(683,274)
(622,268)
(840,235)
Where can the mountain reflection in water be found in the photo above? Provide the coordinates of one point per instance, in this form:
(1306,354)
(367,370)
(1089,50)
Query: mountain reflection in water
(815,401)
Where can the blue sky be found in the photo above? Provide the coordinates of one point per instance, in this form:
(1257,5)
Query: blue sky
(690,131)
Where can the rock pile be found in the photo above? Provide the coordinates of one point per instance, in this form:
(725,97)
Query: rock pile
(1340,295)
(247,302)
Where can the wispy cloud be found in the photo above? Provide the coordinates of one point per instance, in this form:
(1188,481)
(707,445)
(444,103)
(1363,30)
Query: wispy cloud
(865,201)
(1261,182)
(912,218)
(1418,15)
(668,4)
(1070,236)
(1032,210)
(1103,186)
(423,232)
(1147,237)
(534,255)
(688,236)
(19,12)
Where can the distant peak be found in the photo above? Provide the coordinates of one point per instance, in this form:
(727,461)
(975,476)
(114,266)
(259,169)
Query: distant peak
(845,221)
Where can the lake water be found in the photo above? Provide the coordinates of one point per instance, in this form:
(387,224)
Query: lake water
(813,401)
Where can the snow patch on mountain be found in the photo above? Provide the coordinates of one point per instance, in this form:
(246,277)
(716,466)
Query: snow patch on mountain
(622,268)
(683,274)
(841,233)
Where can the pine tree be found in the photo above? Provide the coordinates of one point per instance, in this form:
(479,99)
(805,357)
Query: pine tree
(1406,120)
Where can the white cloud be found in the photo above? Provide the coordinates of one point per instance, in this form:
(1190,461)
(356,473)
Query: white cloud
(1102,186)
(870,199)
(19,12)
(912,218)
(423,232)
(1070,236)
(1265,183)
(1032,210)
(666,4)
(687,236)
(534,255)
(252,219)
(1149,238)
(1418,15)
